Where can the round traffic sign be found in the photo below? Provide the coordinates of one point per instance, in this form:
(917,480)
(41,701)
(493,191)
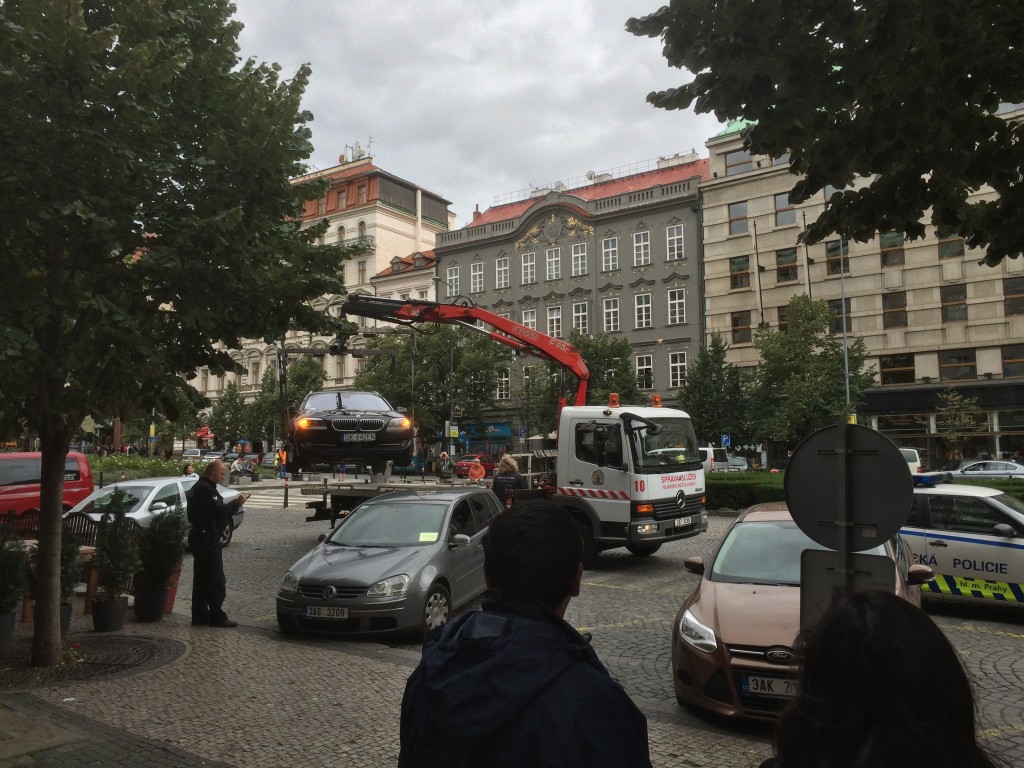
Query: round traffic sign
(848,487)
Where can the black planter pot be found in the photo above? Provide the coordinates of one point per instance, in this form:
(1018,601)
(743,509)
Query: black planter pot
(109,615)
(8,621)
(150,605)
(65,619)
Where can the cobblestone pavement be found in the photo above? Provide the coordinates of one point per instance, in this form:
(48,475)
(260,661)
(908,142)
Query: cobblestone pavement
(251,697)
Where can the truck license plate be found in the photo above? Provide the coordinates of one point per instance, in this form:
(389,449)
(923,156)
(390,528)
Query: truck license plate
(682,522)
(358,437)
(756,685)
(326,612)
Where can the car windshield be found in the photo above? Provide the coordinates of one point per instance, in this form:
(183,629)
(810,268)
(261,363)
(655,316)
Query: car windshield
(350,401)
(391,524)
(100,502)
(467,457)
(675,445)
(1010,501)
(764,553)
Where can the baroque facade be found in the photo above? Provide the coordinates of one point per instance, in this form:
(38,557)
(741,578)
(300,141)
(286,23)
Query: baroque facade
(932,316)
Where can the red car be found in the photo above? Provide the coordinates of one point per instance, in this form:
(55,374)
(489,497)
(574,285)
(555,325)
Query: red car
(462,465)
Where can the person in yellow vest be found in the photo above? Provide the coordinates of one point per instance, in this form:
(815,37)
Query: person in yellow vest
(281,462)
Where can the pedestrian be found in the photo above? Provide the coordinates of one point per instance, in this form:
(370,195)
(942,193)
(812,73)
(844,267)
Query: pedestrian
(281,462)
(514,684)
(209,516)
(445,468)
(507,480)
(871,670)
(238,466)
(189,471)
(477,473)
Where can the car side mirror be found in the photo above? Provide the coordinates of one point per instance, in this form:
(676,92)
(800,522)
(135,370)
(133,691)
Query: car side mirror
(320,538)
(919,574)
(158,506)
(1004,529)
(458,541)
(694,565)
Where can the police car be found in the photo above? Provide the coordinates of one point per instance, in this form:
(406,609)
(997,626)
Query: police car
(972,538)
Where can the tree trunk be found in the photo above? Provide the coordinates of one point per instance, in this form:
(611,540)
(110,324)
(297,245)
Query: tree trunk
(46,645)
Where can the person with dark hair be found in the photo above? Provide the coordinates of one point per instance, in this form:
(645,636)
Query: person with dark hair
(514,684)
(880,685)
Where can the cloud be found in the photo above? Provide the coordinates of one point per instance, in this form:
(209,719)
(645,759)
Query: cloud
(478,100)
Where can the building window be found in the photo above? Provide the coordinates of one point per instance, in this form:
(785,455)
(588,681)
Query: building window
(739,272)
(677,369)
(362,194)
(641,249)
(501,279)
(476,277)
(674,242)
(897,369)
(676,306)
(785,266)
(645,371)
(785,213)
(530,318)
(950,247)
(957,365)
(609,254)
(741,327)
(954,302)
(504,389)
(891,247)
(361,272)
(579,259)
(837,254)
(840,309)
(255,373)
(737,161)
(894,310)
(529,268)
(1013,360)
(782,315)
(554,262)
(453,282)
(611,315)
(738,218)
(579,318)
(555,322)
(361,228)
(1013,296)
(642,310)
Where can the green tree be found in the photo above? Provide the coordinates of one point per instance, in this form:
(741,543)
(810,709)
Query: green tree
(609,359)
(714,396)
(262,416)
(799,385)
(227,416)
(146,194)
(956,419)
(899,97)
(305,374)
(534,397)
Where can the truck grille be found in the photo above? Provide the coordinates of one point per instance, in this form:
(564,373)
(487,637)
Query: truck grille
(667,509)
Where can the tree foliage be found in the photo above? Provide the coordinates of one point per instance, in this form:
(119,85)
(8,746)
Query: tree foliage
(305,374)
(799,385)
(956,419)
(714,396)
(145,197)
(610,360)
(897,97)
(227,416)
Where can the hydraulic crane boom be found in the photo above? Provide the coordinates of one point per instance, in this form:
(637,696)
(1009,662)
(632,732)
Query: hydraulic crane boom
(526,341)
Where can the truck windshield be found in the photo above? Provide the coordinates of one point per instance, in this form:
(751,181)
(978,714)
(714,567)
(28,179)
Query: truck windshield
(674,446)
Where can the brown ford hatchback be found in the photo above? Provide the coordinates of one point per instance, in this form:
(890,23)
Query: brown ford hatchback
(732,640)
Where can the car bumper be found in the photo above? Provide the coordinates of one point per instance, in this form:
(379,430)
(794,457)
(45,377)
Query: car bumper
(388,615)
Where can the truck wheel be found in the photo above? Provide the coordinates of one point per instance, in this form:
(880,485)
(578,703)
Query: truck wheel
(437,609)
(643,551)
(589,554)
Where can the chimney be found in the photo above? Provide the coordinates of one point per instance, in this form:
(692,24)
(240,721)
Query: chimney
(476,213)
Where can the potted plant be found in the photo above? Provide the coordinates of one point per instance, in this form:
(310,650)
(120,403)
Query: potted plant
(13,580)
(116,561)
(161,547)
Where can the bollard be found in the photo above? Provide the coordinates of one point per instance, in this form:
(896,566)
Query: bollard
(286,493)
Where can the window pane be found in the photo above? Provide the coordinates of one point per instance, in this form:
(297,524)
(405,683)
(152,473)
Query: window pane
(738,218)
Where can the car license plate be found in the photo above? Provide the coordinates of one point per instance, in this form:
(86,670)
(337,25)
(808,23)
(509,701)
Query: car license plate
(756,685)
(682,522)
(326,612)
(358,437)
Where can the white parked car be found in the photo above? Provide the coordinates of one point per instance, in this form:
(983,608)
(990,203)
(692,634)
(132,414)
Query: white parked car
(988,469)
(146,497)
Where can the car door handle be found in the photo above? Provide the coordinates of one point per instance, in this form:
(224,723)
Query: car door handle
(575,482)
(938,543)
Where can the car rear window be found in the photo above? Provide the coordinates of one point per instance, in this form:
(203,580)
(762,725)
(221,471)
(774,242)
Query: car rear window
(26,471)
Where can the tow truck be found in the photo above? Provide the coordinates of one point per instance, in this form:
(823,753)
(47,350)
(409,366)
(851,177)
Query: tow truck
(631,476)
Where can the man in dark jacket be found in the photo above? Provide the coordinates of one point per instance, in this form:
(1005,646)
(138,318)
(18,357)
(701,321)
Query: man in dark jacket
(209,516)
(514,684)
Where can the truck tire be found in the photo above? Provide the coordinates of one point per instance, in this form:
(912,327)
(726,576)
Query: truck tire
(643,551)
(589,554)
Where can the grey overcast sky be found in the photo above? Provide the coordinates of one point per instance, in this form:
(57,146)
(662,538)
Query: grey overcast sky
(477,100)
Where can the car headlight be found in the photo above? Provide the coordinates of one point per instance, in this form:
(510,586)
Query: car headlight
(289,584)
(696,634)
(400,424)
(308,423)
(392,586)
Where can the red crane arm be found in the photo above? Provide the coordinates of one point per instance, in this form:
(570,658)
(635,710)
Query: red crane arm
(526,341)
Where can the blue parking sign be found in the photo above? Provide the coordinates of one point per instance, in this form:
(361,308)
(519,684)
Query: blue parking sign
(725,440)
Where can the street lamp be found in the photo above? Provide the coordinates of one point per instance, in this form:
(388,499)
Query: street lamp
(451,377)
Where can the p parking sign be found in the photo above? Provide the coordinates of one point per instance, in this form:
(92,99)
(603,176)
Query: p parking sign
(725,440)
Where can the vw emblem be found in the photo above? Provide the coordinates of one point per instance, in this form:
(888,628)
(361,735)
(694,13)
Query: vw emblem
(681,499)
(329,592)
(778,654)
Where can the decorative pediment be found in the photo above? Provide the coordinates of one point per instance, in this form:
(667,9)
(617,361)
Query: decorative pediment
(531,300)
(579,293)
(553,295)
(609,287)
(675,276)
(641,281)
(550,230)
(502,303)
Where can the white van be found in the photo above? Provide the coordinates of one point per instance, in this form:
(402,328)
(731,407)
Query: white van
(913,459)
(714,459)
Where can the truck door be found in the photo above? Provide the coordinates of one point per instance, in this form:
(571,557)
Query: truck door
(599,470)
